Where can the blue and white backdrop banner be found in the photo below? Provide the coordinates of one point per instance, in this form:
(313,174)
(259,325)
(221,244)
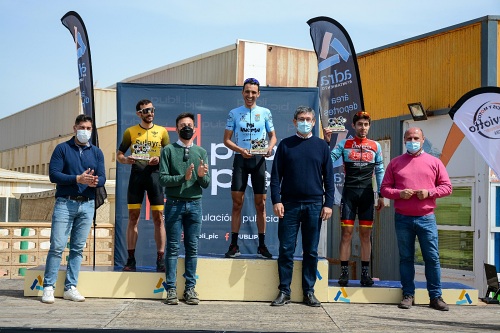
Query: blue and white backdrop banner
(210,105)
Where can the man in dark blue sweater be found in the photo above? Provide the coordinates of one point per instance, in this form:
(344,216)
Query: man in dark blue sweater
(302,190)
(77,167)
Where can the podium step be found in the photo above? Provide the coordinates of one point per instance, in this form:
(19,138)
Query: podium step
(222,279)
(242,279)
(389,292)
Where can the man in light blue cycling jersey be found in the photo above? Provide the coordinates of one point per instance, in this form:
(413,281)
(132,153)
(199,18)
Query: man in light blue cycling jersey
(246,124)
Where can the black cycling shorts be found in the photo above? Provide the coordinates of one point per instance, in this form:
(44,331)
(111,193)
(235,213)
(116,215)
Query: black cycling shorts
(148,181)
(359,201)
(254,166)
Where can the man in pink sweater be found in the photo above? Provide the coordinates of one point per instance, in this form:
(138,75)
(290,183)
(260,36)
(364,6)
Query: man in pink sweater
(414,181)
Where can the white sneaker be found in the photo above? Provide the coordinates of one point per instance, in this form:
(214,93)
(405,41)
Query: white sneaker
(48,295)
(73,295)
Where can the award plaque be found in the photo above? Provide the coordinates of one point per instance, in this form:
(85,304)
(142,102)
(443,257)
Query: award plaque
(140,151)
(337,124)
(141,156)
(259,147)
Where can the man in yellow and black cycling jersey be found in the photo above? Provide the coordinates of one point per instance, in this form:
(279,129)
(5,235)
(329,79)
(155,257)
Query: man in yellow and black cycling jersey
(145,141)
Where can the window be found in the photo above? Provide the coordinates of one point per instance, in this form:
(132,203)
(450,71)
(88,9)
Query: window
(456,208)
(455,230)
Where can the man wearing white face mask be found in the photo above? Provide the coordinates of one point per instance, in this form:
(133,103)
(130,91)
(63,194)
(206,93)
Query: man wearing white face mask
(77,167)
(302,191)
(414,181)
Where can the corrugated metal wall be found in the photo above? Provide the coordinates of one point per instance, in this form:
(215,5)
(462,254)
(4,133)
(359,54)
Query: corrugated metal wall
(54,118)
(105,107)
(435,70)
(216,68)
(288,67)
(30,136)
(44,121)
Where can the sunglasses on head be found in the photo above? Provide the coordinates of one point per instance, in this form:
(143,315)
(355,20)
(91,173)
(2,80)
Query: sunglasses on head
(186,154)
(251,80)
(147,110)
(363,114)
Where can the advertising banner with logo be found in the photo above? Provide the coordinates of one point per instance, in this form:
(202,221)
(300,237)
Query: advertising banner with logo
(339,84)
(211,106)
(477,114)
(74,23)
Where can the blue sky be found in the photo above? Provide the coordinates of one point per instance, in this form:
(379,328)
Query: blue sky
(38,59)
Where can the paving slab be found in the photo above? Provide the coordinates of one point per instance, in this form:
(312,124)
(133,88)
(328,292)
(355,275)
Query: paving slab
(27,314)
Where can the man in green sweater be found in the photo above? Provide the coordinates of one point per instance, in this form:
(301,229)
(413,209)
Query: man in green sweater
(183,173)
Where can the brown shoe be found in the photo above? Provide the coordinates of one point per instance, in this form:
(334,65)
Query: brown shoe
(406,302)
(438,304)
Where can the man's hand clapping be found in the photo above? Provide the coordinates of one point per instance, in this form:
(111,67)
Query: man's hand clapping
(202,169)
(88,178)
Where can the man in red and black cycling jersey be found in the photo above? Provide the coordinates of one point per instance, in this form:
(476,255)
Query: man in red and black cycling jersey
(361,157)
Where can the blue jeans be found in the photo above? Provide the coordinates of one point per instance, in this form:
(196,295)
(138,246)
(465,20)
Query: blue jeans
(425,228)
(74,219)
(182,216)
(305,216)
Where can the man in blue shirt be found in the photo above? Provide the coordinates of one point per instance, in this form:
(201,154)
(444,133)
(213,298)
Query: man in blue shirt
(249,124)
(77,167)
(302,192)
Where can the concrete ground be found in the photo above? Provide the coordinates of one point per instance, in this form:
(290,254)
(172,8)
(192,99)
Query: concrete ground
(28,314)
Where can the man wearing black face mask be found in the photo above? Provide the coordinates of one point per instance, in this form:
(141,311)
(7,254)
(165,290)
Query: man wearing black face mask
(145,141)
(183,173)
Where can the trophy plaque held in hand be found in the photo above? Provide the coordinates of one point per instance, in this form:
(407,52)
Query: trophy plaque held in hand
(337,124)
(141,152)
(259,147)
